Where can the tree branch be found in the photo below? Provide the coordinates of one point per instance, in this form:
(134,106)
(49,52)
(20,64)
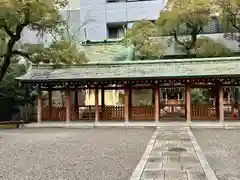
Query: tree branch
(177,40)
(16,52)
(13,39)
(6,28)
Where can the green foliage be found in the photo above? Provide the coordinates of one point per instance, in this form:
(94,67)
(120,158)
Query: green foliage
(229,13)
(40,15)
(207,47)
(141,37)
(181,16)
(200,96)
(12,97)
(63,51)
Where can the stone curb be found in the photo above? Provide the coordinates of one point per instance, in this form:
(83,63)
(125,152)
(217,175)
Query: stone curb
(206,167)
(136,175)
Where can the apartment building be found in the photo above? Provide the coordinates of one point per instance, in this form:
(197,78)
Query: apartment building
(107,19)
(99,20)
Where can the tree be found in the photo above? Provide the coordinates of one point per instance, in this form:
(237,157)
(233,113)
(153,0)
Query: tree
(141,37)
(188,17)
(230,13)
(12,96)
(15,15)
(62,50)
(207,47)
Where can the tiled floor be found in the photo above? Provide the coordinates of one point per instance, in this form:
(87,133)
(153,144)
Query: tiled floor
(173,157)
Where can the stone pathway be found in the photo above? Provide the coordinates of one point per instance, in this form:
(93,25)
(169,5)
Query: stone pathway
(173,154)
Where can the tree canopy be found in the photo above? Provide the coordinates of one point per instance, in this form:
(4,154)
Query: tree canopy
(41,16)
(141,36)
(229,11)
(181,21)
(184,17)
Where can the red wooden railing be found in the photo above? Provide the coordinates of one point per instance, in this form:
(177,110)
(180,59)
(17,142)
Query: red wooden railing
(172,112)
(231,111)
(141,113)
(203,112)
(112,113)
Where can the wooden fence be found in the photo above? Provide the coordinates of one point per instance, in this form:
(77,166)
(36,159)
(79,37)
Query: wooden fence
(141,113)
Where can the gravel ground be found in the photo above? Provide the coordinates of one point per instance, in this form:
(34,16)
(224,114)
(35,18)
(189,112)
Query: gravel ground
(71,154)
(222,150)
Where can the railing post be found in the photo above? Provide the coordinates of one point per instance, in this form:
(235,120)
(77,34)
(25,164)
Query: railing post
(39,106)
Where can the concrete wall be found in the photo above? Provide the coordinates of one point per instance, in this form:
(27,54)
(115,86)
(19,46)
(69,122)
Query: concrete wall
(102,13)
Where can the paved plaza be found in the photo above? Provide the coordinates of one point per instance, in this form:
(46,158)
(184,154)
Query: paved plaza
(165,153)
(71,154)
(173,154)
(221,148)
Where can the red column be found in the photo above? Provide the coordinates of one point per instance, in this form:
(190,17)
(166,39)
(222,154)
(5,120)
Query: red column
(103,102)
(188,102)
(96,105)
(76,105)
(221,103)
(157,103)
(39,106)
(130,102)
(50,105)
(217,97)
(68,107)
(126,103)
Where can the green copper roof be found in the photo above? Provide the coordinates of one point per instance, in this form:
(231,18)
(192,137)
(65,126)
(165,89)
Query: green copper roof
(107,52)
(210,67)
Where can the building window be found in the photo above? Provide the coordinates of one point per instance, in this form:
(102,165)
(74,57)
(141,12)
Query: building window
(115,1)
(115,31)
(138,0)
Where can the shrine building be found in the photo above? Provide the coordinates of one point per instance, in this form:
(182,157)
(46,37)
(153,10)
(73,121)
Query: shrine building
(170,81)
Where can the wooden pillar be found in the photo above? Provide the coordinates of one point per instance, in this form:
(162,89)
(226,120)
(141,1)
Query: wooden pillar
(130,102)
(221,103)
(228,97)
(68,107)
(96,105)
(39,106)
(217,90)
(188,102)
(76,105)
(50,105)
(126,103)
(103,102)
(157,104)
